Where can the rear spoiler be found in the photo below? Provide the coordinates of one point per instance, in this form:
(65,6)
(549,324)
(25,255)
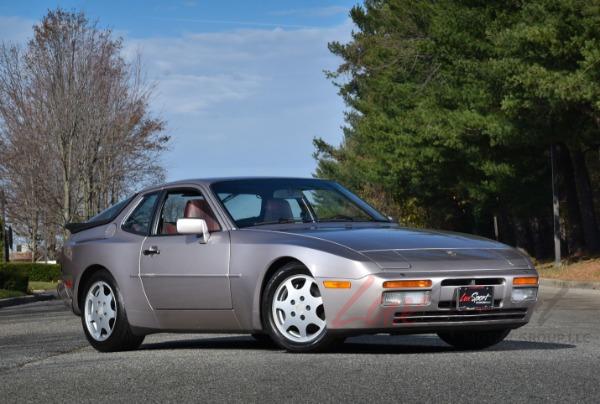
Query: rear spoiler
(77,227)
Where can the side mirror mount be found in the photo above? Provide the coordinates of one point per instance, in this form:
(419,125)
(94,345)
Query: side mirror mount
(193,226)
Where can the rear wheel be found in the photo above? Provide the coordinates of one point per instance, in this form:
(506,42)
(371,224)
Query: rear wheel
(473,339)
(293,312)
(103,316)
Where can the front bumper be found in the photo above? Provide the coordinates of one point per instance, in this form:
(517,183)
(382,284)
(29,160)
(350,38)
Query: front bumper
(360,309)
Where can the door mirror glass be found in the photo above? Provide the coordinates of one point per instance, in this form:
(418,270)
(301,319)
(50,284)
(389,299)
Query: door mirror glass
(193,226)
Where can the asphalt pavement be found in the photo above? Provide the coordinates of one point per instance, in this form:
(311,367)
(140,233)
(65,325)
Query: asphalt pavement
(44,357)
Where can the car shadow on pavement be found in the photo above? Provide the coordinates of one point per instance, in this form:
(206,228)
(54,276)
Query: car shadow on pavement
(430,345)
(233,342)
(375,344)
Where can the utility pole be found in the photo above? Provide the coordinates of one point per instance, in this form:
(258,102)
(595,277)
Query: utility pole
(496,233)
(555,208)
(3,232)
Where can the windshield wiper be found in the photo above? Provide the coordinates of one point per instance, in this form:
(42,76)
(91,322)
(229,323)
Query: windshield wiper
(228,198)
(344,218)
(339,218)
(280,221)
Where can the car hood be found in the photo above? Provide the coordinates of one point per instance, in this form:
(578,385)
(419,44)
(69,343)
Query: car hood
(404,248)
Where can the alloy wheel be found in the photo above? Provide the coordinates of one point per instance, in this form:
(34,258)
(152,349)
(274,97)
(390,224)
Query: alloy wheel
(100,311)
(297,309)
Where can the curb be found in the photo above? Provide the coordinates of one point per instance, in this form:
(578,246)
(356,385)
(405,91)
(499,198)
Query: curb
(558,283)
(36,297)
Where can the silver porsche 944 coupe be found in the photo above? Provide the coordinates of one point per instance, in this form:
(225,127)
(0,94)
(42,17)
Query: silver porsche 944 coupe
(302,263)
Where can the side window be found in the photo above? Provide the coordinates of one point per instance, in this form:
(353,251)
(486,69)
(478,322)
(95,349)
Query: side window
(185,204)
(140,219)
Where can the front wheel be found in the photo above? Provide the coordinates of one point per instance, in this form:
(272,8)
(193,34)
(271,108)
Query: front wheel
(293,312)
(103,316)
(473,339)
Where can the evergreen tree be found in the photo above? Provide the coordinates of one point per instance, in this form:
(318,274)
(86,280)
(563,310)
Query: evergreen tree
(453,107)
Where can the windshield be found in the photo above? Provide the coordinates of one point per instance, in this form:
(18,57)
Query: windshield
(271,201)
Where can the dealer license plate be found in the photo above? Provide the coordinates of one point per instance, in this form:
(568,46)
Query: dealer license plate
(475,297)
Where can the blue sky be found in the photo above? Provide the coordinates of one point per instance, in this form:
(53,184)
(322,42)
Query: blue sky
(240,83)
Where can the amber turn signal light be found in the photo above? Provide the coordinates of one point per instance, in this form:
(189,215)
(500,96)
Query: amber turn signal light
(421,283)
(526,281)
(337,284)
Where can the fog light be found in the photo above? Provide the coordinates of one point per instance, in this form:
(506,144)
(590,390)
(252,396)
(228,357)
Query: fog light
(415,298)
(523,294)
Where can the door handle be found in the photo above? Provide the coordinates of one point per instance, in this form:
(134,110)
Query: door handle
(152,250)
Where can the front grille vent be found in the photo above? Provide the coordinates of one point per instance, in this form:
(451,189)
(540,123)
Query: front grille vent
(458,316)
(472,281)
(452,304)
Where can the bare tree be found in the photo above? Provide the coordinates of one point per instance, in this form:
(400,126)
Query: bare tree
(75,133)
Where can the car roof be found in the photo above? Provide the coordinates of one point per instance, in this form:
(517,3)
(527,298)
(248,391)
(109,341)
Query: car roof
(212,180)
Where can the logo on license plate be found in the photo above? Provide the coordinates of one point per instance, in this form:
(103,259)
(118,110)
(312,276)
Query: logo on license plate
(475,297)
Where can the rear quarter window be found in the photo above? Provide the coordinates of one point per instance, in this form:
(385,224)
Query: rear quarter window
(111,212)
(140,220)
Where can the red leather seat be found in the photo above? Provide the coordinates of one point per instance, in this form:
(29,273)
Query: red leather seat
(169,228)
(276,210)
(199,209)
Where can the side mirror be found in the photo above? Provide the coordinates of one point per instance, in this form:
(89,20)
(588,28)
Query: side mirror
(193,226)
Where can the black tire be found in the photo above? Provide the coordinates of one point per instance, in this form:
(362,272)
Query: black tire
(325,338)
(473,339)
(122,338)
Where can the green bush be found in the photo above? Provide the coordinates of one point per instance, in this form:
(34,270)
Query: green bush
(13,278)
(37,272)
(44,272)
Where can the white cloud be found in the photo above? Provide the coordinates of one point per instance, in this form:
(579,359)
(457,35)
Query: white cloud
(247,23)
(244,102)
(326,11)
(191,93)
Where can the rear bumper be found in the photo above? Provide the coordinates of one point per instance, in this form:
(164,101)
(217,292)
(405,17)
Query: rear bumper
(360,308)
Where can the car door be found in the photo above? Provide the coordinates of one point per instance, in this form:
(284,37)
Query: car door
(182,272)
